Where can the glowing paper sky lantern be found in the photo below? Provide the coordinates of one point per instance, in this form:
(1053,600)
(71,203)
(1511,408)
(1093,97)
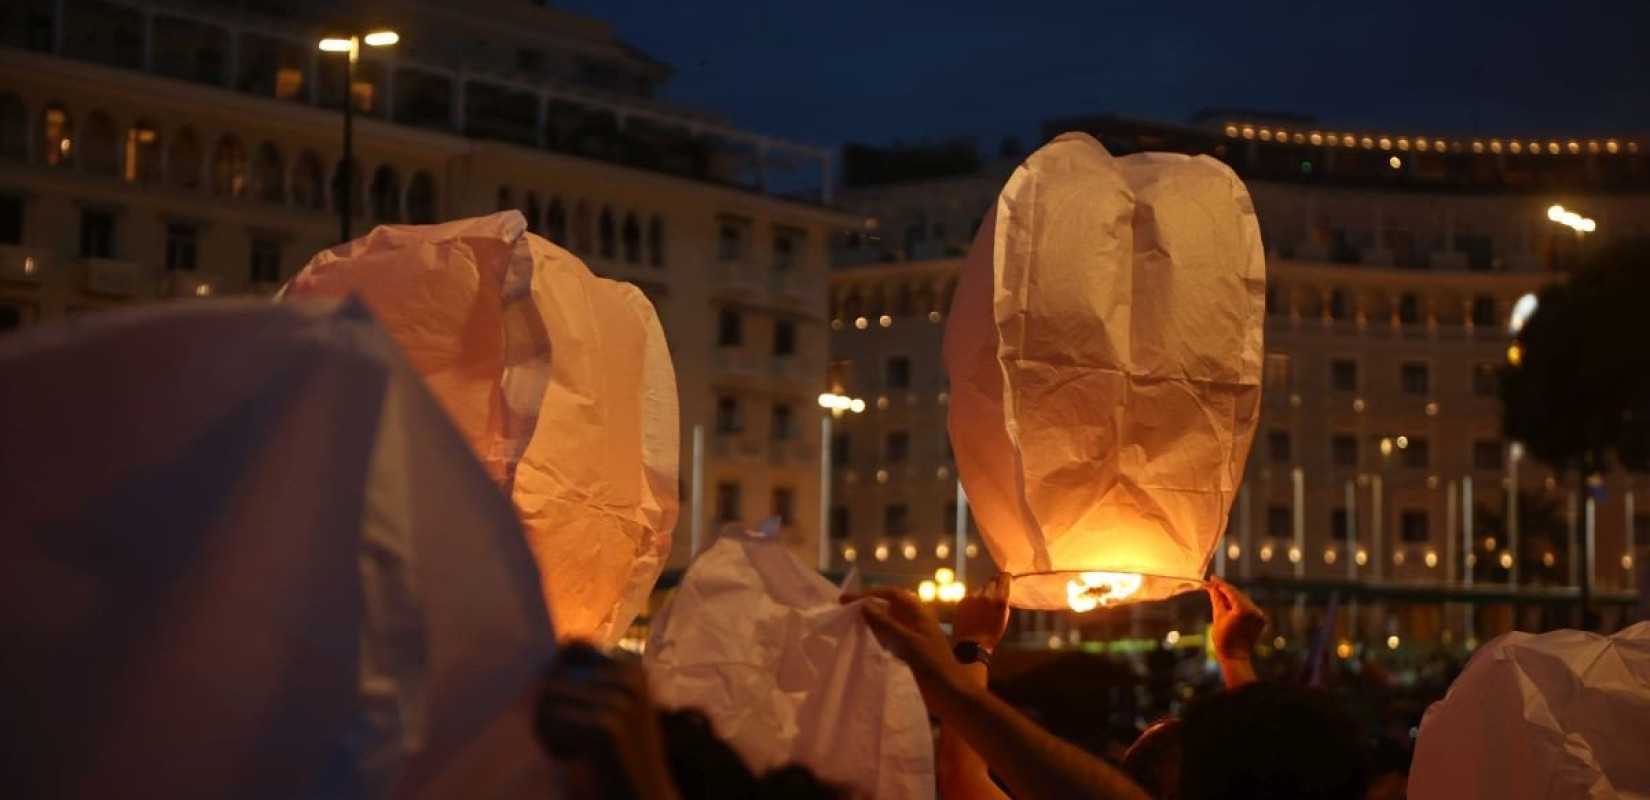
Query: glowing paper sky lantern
(561,382)
(1104,349)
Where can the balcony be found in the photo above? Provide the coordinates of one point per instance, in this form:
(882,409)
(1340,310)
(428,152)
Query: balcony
(791,369)
(794,284)
(736,361)
(20,264)
(734,446)
(789,453)
(190,284)
(739,277)
(108,276)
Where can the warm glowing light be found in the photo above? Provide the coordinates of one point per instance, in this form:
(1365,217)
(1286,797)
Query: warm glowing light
(1362,557)
(1095,589)
(1611,146)
(933,316)
(1294,555)
(1627,561)
(1317,139)
(1403,144)
(1495,146)
(881,552)
(1266,553)
(1478,147)
(1395,162)
(1431,559)
(1548,559)
(1329,556)
(1357,405)
(849,554)
(885,320)
(1278,642)
(1489,542)
(972,550)
(861,323)
(841,402)
(1266,134)
(1516,147)
(1398,558)
(1506,560)
(1402,442)
(927,591)
(1233,551)
(942,473)
(1248,132)
(1231,130)
(942,550)
(1172,638)
(1386,447)
(882,402)
(1344,649)
(953,593)
(28,265)
(1432,409)
(1386,144)
(1392,642)
(836,324)
(1367,142)
(333,45)
(944,576)
(381,38)
(909,551)
(1515,354)
(882,476)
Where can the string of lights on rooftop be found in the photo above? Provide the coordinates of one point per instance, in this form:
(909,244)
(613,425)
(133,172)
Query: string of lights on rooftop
(1424,144)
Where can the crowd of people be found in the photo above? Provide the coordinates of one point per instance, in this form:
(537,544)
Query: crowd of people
(1253,739)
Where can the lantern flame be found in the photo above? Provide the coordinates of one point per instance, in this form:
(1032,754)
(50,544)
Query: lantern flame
(1095,589)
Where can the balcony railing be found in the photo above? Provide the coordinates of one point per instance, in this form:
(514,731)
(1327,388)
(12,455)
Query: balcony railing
(739,276)
(112,276)
(735,446)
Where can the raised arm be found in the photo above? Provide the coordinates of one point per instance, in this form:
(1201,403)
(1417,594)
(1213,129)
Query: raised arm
(980,619)
(1238,624)
(1035,764)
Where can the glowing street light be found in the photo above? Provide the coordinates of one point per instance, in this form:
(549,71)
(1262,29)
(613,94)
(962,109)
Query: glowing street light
(352,46)
(836,404)
(1571,219)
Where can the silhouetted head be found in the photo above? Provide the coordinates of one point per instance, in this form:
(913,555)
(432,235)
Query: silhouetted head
(1268,742)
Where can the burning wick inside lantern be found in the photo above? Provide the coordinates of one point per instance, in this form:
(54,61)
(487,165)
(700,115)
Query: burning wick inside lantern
(1095,589)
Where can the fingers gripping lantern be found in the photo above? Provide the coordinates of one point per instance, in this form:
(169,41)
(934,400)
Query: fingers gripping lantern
(1104,349)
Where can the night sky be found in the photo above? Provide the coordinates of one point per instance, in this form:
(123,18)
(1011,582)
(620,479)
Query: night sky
(876,70)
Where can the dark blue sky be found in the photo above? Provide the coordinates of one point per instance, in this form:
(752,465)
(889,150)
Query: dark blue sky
(874,70)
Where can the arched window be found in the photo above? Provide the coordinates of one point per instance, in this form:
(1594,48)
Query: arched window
(506,199)
(56,136)
(99,147)
(530,210)
(306,182)
(555,222)
(357,180)
(421,199)
(14,128)
(229,167)
(142,153)
(631,235)
(581,228)
(656,241)
(607,234)
(268,177)
(386,195)
(183,161)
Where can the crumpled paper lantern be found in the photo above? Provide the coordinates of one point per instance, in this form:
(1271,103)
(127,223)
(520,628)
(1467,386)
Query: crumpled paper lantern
(1104,350)
(243,553)
(1557,716)
(757,640)
(560,380)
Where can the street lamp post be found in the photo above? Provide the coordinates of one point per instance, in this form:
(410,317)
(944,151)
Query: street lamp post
(351,45)
(834,404)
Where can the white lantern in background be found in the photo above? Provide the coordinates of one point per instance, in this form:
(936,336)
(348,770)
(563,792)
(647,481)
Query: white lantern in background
(1105,353)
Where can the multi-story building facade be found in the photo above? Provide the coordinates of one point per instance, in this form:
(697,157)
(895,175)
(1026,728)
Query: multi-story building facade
(1394,266)
(175,150)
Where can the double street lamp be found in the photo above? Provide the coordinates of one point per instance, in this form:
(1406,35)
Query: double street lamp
(351,45)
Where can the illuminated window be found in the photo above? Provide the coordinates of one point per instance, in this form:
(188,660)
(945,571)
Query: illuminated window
(229,167)
(142,162)
(56,137)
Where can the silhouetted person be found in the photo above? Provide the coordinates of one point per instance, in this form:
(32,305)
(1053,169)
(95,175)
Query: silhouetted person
(1267,742)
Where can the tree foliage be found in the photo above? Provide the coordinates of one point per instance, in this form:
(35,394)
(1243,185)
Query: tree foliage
(1580,397)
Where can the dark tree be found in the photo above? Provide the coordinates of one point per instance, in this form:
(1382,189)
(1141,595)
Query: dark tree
(1578,393)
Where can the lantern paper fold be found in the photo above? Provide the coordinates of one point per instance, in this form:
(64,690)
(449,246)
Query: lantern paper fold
(1104,351)
(1557,716)
(560,380)
(757,640)
(243,553)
